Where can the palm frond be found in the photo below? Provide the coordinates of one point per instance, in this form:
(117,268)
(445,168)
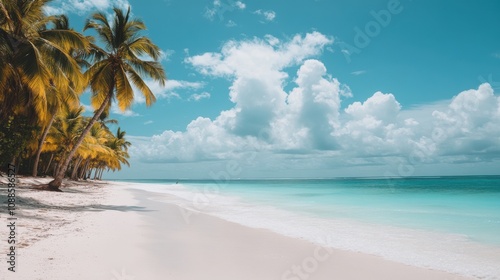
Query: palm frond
(124,92)
(144,46)
(142,86)
(66,39)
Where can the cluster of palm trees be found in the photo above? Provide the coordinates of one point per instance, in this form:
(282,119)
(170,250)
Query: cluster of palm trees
(45,66)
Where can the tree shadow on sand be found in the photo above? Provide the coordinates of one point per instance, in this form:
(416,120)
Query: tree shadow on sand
(28,203)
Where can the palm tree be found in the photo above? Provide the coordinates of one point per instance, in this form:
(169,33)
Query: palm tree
(121,141)
(115,66)
(36,63)
(115,156)
(92,147)
(55,100)
(63,133)
(35,58)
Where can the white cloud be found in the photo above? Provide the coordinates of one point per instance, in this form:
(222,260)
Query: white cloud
(220,7)
(380,105)
(357,73)
(165,55)
(231,23)
(373,127)
(273,41)
(260,104)
(241,58)
(199,96)
(210,13)
(148,122)
(470,124)
(126,113)
(88,108)
(169,91)
(267,15)
(240,5)
(306,128)
(83,6)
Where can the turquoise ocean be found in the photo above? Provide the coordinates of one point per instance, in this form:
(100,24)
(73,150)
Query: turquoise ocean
(445,223)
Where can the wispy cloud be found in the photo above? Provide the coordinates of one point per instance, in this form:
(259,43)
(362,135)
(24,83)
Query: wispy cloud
(199,96)
(81,7)
(220,7)
(166,54)
(148,122)
(268,15)
(88,108)
(357,73)
(126,113)
(240,5)
(171,90)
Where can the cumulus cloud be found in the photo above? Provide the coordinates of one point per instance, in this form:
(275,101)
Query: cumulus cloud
(263,113)
(202,140)
(470,124)
(308,123)
(312,111)
(241,58)
(373,127)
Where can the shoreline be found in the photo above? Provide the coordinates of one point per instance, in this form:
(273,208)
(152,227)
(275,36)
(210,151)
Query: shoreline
(122,230)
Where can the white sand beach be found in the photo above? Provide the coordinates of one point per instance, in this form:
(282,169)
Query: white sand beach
(116,231)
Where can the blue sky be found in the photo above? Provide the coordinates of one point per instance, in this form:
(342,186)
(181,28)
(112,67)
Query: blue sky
(298,88)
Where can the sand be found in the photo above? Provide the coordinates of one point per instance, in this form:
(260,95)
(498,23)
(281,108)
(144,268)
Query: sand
(117,231)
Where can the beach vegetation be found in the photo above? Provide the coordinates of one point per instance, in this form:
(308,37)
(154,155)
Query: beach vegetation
(45,66)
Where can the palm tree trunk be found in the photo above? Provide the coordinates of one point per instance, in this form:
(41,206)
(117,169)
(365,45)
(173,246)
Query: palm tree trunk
(48,165)
(100,174)
(97,172)
(56,168)
(87,170)
(82,170)
(56,183)
(75,168)
(40,145)
(89,174)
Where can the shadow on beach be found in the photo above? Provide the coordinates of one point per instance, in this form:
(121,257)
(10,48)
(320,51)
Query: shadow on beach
(24,202)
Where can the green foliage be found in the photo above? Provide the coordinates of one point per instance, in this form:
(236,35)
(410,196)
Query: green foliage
(15,134)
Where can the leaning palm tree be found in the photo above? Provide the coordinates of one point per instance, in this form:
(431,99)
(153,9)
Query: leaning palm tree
(93,146)
(63,133)
(68,94)
(114,66)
